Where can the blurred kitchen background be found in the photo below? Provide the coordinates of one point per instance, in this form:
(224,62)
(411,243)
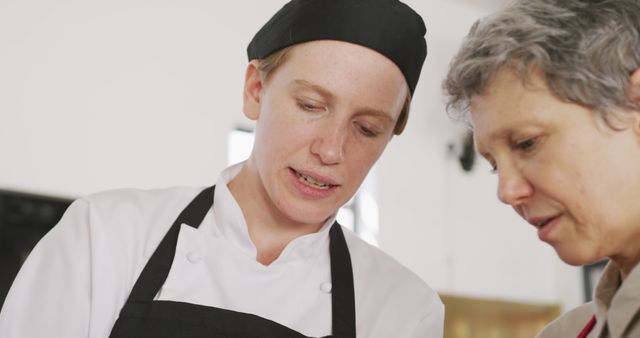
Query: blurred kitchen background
(98,95)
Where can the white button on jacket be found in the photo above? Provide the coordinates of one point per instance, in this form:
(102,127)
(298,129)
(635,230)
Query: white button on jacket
(325,287)
(194,256)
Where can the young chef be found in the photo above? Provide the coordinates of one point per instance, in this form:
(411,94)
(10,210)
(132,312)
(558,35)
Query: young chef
(259,254)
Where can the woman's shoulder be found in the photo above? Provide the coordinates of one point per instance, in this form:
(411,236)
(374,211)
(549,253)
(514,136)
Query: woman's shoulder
(569,324)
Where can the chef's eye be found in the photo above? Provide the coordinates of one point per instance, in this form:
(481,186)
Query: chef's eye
(366,131)
(309,106)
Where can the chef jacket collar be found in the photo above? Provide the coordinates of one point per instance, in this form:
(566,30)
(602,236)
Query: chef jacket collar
(230,224)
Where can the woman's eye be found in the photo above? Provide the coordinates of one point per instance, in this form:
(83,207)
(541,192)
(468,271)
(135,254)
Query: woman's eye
(527,145)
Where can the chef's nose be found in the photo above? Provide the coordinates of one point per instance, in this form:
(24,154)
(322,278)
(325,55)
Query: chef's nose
(329,145)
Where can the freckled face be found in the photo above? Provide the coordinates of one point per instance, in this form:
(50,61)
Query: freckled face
(561,168)
(323,119)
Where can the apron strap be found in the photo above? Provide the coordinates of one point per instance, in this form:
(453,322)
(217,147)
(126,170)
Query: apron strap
(156,271)
(342,294)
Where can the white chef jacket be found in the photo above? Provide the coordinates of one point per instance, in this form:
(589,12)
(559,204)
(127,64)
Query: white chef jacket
(78,277)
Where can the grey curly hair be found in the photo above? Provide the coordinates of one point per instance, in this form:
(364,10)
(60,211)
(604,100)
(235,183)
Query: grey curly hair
(585,49)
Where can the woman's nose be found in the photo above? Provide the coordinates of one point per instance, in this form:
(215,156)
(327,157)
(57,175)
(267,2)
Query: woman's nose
(513,187)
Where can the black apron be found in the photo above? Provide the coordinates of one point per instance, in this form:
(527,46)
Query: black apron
(143,317)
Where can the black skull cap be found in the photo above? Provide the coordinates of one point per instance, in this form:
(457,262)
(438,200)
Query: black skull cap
(389,27)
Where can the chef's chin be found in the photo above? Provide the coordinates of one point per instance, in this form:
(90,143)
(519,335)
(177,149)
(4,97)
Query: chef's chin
(305,212)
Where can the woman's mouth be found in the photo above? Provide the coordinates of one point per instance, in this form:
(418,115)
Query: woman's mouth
(543,223)
(546,226)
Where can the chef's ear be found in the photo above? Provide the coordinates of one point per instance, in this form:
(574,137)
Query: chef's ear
(252,91)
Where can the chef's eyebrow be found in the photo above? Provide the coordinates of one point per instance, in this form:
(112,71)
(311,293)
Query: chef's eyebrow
(312,86)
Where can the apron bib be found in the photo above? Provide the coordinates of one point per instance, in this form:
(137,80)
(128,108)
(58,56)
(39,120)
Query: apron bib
(142,316)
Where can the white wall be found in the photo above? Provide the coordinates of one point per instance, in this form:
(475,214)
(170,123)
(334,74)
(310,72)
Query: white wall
(99,95)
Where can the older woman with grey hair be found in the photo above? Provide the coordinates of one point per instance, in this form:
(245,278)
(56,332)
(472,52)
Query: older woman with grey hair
(551,89)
